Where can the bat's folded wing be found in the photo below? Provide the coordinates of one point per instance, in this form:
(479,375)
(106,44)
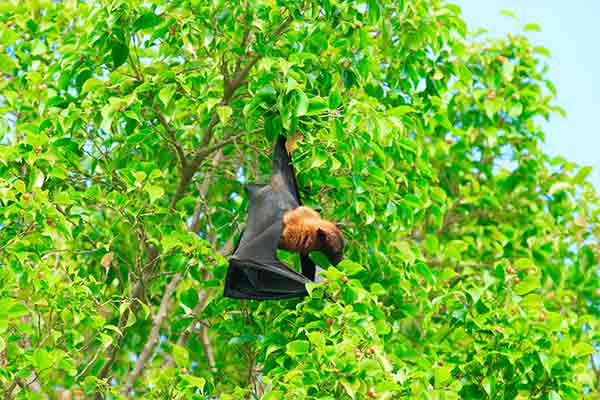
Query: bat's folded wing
(255,272)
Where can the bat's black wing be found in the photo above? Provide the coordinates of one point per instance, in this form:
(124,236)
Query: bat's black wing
(282,170)
(255,272)
(283,175)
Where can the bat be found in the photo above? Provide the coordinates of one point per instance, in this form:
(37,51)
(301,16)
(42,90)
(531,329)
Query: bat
(254,270)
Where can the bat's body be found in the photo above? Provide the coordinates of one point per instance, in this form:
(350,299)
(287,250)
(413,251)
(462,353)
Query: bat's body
(304,231)
(255,272)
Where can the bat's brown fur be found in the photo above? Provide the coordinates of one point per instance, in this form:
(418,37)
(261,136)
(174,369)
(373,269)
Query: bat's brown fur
(305,231)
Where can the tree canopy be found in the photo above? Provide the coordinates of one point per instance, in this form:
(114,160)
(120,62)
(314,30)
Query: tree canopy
(129,129)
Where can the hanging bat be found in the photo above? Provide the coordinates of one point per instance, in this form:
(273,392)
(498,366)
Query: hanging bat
(276,219)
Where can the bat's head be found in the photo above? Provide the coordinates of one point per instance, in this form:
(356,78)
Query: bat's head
(331,242)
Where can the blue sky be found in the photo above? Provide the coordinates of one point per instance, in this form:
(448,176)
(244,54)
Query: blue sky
(571,31)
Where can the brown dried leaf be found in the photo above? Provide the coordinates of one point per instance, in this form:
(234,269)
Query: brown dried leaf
(292,142)
(580,221)
(107,259)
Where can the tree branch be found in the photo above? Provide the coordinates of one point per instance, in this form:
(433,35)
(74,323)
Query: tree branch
(202,154)
(137,291)
(154,333)
(187,171)
(9,390)
(202,299)
(229,89)
(203,295)
(208,349)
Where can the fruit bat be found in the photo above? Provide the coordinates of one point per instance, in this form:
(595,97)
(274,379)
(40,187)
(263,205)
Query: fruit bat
(254,271)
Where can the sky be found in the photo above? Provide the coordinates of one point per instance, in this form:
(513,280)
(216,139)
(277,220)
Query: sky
(571,31)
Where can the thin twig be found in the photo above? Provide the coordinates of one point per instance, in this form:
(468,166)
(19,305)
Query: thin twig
(183,338)
(232,138)
(244,43)
(134,65)
(174,141)
(202,191)
(597,374)
(89,364)
(24,232)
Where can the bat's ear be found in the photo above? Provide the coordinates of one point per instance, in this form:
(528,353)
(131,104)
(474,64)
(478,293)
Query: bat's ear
(321,235)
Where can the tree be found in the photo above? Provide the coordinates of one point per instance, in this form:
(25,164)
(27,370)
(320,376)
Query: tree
(129,128)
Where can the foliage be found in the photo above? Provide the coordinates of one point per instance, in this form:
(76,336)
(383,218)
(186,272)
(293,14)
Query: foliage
(129,128)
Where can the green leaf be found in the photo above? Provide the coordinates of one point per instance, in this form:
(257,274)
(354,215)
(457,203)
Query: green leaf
(490,108)
(302,106)
(120,52)
(38,179)
(424,271)
(7,64)
(9,36)
(266,92)
(224,113)
(180,356)
(508,69)
(559,187)
(515,110)
(405,251)
(532,27)
(553,395)
(489,385)
(442,374)
(316,106)
(17,310)
(350,390)
(155,192)
(297,348)
(335,99)
(382,327)
(91,84)
(509,14)
(318,161)
(316,338)
(377,289)
(148,20)
(543,51)
(114,328)
(583,349)
(195,381)
(528,284)
(432,244)
(407,144)
(42,359)
(166,94)
(350,267)
(400,110)
(369,366)
(273,395)
(582,174)
(131,319)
